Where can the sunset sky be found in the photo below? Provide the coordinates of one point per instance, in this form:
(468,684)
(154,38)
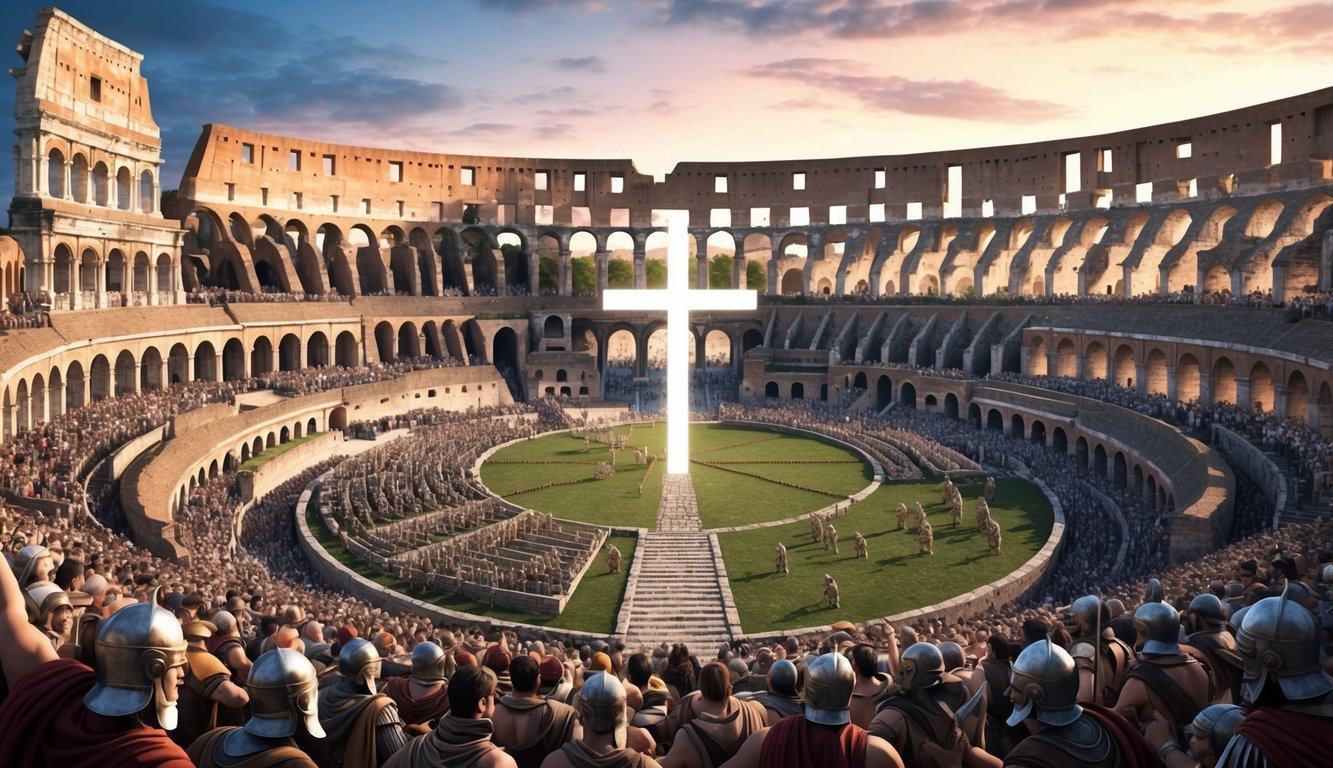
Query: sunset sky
(664,81)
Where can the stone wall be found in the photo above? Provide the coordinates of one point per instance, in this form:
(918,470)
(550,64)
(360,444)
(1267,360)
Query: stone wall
(1244,454)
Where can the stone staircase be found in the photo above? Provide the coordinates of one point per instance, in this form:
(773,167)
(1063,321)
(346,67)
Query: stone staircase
(678,509)
(678,593)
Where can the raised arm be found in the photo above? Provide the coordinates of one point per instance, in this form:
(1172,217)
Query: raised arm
(22,646)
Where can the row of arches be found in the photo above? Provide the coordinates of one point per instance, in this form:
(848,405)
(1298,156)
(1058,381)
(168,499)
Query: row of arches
(94,275)
(78,179)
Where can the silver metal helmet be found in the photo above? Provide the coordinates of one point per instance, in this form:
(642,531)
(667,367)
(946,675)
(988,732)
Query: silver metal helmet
(1158,625)
(602,707)
(29,561)
(1216,725)
(359,662)
(829,680)
(1208,607)
(284,694)
(1085,609)
(783,677)
(135,648)
(43,599)
(1047,684)
(921,666)
(428,663)
(953,655)
(1281,638)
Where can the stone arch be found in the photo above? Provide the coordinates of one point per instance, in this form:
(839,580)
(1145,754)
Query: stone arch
(505,349)
(372,276)
(233,360)
(1223,381)
(409,341)
(1155,374)
(1094,361)
(951,406)
(907,395)
(1124,366)
(1059,440)
(797,390)
(178,364)
(994,420)
(289,353)
(347,352)
(101,178)
(1066,358)
(1261,388)
(99,379)
(453,340)
(1081,451)
(62,279)
(1188,381)
(147,195)
(261,356)
(384,341)
(1298,396)
(1037,364)
(883,392)
(974,415)
(55,393)
(793,282)
(1017,426)
(55,174)
(317,350)
(127,373)
(78,178)
(1118,469)
(1100,461)
(1038,432)
(113,272)
(205,362)
(124,183)
(771,389)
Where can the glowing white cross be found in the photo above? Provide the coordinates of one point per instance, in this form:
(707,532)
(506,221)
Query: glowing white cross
(678,300)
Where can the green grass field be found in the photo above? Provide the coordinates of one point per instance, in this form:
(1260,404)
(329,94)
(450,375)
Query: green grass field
(732,468)
(894,578)
(593,607)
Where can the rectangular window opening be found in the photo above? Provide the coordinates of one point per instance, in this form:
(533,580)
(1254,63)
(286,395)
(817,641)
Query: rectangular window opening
(580,182)
(799,216)
(580,216)
(1192,189)
(987,208)
(95,88)
(401,205)
(1028,205)
(395,171)
(620,217)
(953,193)
(1104,161)
(617,183)
(1073,172)
(914,211)
(837,214)
(541,181)
(333,203)
(231,191)
(720,184)
(293,159)
(330,165)
(1143,192)
(247,153)
(719,217)
(437,211)
(296,200)
(877,212)
(1275,144)
(1184,149)
(798,180)
(467,176)
(760,217)
(365,205)
(263,195)
(544,215)
(881,178)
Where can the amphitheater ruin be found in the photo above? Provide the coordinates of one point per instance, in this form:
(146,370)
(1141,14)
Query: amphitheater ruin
(892,281)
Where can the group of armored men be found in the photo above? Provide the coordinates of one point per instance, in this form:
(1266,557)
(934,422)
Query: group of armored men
(159,687)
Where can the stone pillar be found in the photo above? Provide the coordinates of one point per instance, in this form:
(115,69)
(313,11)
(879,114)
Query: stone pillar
(163,374)
(1312,411)
(1243,392)
(37,397)
(1172,383)
(1052,363)
(738,273)
(112,188)
(566,273)
(1081,369)
(68,172)
(601,258)
(640,269)
(1279,402)
(773,287)
(75,283)
(701,280)
(1023,360)
(1140,385)
(43,174)
(534,274)
(134,194)
(101,284)
(1205,387)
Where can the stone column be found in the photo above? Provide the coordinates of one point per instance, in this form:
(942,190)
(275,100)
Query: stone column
(640,269)
(43,174)
(1172,383)
(1080,371)
(1023,353)
(566,272)
(1243,392)
(1205,387)
(1279,402)
(701,270)
(738,273)
(37,397)
(101,284)
(602,259)
(773,287)
(1140,385)
(75,283)
(68,172)
(1052,363)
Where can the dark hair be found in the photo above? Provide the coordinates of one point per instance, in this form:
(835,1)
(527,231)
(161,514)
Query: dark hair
(865,660)
(468,686)
(524,673)
(268,625)
(1034,630)
(999,647)
(715,681)
(638,669)
(68,571)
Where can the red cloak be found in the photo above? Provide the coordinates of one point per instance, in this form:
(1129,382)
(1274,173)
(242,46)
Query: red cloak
(44,722)
(1275,733)
(795,741)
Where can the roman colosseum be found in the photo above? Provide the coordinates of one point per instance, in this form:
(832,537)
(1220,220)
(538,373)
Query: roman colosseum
(1180,267)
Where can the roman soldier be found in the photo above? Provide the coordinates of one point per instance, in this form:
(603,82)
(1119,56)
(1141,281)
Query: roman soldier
(421,696)
(1165,680)
(528,725)
(919,722)
(207,686)
(780,559)
(605,718)
(1101,660)
(362,726)
(783,697)
(1210,642)
(284,692)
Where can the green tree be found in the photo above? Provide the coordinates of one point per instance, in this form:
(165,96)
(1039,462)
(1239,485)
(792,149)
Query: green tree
(585,275)
(619,274)
(719,270)
(656,271)
(756,277)
(548,276)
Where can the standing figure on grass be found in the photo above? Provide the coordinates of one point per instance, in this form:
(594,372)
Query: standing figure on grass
(920,516)
(989,493)
(926,538)
(780,559)
(831,538)
(993,536)
(831,592)
(861,553)
(946,490)
(983,514)
(957,510)
(902,515)
(613,560)
(816,527)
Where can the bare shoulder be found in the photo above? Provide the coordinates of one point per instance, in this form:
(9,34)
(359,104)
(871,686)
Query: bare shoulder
(880,753)
(498,758)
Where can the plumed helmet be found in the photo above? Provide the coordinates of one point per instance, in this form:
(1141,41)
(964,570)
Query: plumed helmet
(602,706)
(135,648)
(1085,609)
(829,680)
(428,663)
(1158,625)
(1208,607)
(1047,685)
(1281,638)
(783,677)
(26,563)
(359,662)
(921,666)
(1216,725)
(43,599)
(284,695)
(953,655)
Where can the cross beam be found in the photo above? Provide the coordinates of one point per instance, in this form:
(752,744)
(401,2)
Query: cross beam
(678,301)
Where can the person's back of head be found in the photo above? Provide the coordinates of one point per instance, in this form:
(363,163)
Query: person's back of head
(715,681)
(524,674)
(467,688)
(268,625)
(999,647)
(864,660)
(1034,630)
(638,669)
